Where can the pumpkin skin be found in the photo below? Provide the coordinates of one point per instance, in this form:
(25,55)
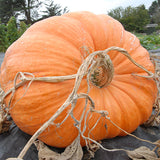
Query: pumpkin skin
(53,47)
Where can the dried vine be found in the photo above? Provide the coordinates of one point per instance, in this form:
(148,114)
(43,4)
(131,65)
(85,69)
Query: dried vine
(154,119)
(89,66)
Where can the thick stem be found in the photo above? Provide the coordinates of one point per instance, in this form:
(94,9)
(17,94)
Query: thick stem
(102,72)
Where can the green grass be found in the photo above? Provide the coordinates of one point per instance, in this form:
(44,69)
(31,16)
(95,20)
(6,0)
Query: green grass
(150,42)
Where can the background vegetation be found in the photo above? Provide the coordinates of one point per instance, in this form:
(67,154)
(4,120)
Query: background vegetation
(150,42)
(17,15)
(135,20)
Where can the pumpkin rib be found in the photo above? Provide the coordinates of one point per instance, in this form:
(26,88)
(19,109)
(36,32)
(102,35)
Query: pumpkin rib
(138,84)
(145,62)
(73,28)
(131,42)
(66,58)
(119,59)
(44,102)
(137,81)
(100,131)
(83,19)
(87,20)
(128,124)
(109,104)
(63,94)
(113,31)
(41,67)
(36,126)
(145,112)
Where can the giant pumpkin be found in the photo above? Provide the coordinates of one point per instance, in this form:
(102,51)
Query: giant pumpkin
(57,46)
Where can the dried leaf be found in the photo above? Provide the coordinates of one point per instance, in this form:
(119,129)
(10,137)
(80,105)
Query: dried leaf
(157,143)
(72,152)
(157,121)
(142,153)
(158,152)
(94,147)
(4,123)
(150,121)
(158,147)
(91,149)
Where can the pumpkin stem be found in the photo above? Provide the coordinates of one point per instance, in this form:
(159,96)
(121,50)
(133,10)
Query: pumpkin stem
(102,71)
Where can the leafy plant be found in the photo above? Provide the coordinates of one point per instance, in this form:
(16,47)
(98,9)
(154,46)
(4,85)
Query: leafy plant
(150,42)
(132,18)
(23,28)
(12,31)
(3,39)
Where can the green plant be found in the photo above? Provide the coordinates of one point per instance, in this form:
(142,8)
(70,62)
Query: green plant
(12,31)
(22,29)
(132,18)
(3,38)
(150,42)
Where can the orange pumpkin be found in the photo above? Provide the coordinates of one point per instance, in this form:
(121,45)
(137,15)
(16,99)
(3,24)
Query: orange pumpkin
(53,47)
